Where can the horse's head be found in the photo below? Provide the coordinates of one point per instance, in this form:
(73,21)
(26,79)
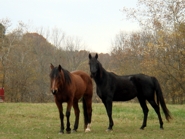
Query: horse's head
(56,78)
(94,65)
(59,78)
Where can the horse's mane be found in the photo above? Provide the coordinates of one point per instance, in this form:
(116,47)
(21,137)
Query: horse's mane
(67,76)
(56,73)
(101,69)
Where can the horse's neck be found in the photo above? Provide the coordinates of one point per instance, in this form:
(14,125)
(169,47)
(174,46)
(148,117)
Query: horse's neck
(101,77)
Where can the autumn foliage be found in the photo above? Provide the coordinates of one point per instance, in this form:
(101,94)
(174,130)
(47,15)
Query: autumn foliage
(157,49)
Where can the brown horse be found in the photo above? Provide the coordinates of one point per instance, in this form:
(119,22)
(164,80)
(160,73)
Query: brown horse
(70,87)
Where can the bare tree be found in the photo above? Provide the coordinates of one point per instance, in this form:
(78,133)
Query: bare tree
(164,20)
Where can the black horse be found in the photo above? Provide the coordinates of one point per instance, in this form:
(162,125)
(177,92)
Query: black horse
(111,87)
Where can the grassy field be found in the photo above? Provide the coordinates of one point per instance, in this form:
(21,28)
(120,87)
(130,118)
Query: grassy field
(41,121)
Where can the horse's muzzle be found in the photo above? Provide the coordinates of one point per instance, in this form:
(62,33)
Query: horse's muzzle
(93,74)
(54,92)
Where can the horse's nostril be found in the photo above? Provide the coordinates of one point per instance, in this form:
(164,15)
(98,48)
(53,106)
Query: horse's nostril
(93,74)
(53,92)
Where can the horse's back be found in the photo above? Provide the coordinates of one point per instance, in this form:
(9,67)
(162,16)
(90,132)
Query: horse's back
(83,80)
(144,84)
(142,80)
(83,75)
(119,87)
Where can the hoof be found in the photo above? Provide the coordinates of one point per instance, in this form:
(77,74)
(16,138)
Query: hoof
(108,130)
(61,132)
(68,132)
(161,128)
(88,129)
(142,127)
(74,131)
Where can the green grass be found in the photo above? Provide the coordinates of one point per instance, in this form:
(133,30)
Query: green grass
(41,121)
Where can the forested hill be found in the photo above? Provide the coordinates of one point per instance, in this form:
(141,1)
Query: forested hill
(158,49)
(25,61)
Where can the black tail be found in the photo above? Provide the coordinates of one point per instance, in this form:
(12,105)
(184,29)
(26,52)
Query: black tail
(160,99)
(85,111)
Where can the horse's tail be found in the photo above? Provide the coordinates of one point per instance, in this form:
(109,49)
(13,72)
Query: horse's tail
(85,111)
(160,98)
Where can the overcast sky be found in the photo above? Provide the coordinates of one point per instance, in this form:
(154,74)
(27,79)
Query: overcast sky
(94,22)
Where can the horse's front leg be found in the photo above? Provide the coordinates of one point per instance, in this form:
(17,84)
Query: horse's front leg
(68,111)
(60,109)
(62,122)
(108,106)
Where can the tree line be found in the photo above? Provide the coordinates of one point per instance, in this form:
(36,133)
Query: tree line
(157,50)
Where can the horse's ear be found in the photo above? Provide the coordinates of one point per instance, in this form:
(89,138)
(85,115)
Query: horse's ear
(90,56)
(51,66)
(96,56)
(59,67)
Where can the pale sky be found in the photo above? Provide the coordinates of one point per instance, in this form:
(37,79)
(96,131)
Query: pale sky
(94,22)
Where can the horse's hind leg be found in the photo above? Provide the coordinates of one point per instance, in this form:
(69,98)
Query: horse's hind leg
(77,114)
(157,110)
(87,106)
(145,111)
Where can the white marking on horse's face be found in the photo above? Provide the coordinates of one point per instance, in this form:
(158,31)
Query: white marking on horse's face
(54,88)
